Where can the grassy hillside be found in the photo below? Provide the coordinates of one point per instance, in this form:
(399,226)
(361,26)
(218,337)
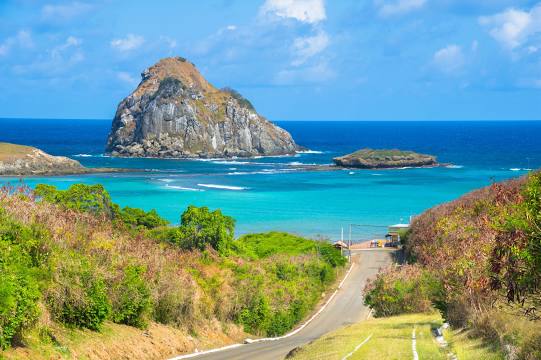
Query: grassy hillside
(391,338)
(12,151)
(72,262)
(478,261)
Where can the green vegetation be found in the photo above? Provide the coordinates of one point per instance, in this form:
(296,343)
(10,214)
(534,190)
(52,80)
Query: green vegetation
(19,281)
(478,261)
(200,228)
(408,289)
(237,96)
(72,259)
(392,339)
(97,201)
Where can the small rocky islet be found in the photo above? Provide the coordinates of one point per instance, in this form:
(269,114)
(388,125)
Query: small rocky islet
(384,159)
(21,160)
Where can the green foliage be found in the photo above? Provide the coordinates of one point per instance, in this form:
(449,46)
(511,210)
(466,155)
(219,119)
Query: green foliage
(241,99)
(400,291)
(331,255)
(267,244)
(139,218)
(263,245)
(200,228)
(19,292)
(87,198)
(517,256)
(96,200)
(78,295)
(256,316)
(131,304)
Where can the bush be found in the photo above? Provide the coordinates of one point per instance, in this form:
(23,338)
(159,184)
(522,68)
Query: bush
(267,244)
(87,198)
(139,218)
(408,289)
(256,316)
(200,228)
(331,255)
(19,292)
(237,96)
(78,295)
(131,298)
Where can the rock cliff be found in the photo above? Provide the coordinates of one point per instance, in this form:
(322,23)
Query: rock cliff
(20,160)
(384,159)
(175,112)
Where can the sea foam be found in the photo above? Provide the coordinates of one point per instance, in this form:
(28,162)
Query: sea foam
(223,187)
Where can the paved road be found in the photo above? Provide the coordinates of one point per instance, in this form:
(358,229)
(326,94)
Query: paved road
(346,307)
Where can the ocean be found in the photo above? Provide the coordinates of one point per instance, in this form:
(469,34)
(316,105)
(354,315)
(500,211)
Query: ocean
(265,194)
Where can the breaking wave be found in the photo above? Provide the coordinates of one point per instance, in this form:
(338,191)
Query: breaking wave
(223,187)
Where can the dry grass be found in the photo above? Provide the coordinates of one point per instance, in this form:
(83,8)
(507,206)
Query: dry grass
(13,151)
(123,342)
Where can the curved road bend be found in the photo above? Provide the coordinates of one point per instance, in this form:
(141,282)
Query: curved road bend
(346,307)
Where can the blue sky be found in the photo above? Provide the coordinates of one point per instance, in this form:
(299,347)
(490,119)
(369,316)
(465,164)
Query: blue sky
(294,59)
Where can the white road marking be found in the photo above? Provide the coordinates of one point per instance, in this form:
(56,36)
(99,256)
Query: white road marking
(357,347)
(414,346)
(187,356)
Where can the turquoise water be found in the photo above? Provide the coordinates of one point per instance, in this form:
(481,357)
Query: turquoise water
(266,194)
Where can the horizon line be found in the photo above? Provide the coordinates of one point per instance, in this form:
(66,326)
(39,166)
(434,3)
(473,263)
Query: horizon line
(300,120)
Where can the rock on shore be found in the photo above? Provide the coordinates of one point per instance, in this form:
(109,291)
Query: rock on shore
(384,159)
(175,112)
(20,160)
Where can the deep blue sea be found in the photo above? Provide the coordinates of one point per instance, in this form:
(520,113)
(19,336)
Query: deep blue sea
(265,194)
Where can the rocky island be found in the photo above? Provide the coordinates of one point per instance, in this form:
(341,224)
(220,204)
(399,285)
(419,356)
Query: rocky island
(384,159)
(174,112)
(20,160)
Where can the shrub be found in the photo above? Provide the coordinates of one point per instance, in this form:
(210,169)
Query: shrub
(19,292)
(331,255)
(256,316)
(88,198)
(131,298)
(78,296)
(139,218)
(237,96)
(267,244)
(200,227)
(408,289)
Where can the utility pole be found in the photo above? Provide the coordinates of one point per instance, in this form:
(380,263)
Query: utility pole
(342,240)
(349,245)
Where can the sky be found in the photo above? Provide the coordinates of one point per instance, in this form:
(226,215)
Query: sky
(293,59)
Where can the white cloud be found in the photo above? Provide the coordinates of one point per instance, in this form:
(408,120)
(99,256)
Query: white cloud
(306,47)
(65,11)
(126,77)
(171,43)
(231,27)
(513,27)
(56,60)
(398,7)
(318,73)
(130,42)
(449,59)
(23,39)
(306,11)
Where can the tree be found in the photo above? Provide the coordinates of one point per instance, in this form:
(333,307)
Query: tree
(88,198)
(201,227)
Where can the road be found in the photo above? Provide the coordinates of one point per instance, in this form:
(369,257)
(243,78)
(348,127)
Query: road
(345,308)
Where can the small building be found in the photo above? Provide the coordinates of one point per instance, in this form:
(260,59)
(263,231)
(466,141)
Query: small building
(394,231)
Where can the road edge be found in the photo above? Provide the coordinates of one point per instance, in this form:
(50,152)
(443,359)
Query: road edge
(293,332)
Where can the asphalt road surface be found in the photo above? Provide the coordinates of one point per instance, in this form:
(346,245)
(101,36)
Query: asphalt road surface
(345,308)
